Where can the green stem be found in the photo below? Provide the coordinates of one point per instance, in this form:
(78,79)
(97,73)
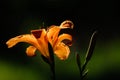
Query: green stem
(79,64)
(52,61)
(83,70)
(52,67)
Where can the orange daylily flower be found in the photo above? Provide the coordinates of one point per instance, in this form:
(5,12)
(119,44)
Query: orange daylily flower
(39,41)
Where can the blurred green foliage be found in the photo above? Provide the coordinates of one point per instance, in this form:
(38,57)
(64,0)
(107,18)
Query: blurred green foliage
(103,65)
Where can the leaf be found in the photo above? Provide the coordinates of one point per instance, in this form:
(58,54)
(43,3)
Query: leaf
(85,74)
(91,46)
(78,61)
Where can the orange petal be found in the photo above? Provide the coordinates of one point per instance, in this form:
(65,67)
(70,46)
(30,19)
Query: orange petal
(37,33)
(62,51)
(66,38)
(40,33)
(67,24)
(22,38)
(41,37)
(30,51)
(52,34)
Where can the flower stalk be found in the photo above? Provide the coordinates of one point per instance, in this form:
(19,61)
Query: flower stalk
(52,61)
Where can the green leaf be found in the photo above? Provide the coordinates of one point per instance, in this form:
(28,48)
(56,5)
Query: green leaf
(78,61)
(91,46)
(85,74)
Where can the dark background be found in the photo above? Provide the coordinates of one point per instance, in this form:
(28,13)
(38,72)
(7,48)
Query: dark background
(86,15)
(20,16)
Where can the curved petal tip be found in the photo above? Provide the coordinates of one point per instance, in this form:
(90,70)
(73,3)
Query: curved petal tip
(67,24)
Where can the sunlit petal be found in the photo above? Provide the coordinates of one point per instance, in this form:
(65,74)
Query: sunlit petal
(40,33)
(41,37)
(37,33)
(66,38)
(52,34)
(67,24)
(62,51)
(30,51)
(22,38)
